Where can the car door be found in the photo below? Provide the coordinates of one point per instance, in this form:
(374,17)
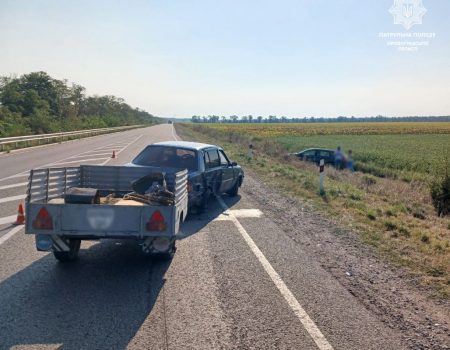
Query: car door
(228,172)
(325,155)
(213,170)
(309,155)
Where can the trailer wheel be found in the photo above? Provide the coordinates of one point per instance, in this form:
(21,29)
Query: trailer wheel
(71,255)
(169,255)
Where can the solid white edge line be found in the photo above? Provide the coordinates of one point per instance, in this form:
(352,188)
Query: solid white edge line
(11,233)
(315,333)
(175,136)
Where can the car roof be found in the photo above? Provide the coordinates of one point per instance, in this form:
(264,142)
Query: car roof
(184,144)
(317,149)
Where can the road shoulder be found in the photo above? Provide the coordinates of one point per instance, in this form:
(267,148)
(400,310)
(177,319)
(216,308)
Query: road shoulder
(384,290)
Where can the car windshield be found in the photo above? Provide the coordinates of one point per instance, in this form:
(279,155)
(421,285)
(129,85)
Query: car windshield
(171,157)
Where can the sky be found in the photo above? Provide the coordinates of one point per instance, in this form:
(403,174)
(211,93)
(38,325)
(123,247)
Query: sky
(180,58)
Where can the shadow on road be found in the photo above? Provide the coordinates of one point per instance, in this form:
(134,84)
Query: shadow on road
(195,222)
(99,302)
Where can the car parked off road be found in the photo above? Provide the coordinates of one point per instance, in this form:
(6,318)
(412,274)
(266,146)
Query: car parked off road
(315,155)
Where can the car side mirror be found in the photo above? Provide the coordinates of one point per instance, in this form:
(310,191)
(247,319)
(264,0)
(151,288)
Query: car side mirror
(233,164)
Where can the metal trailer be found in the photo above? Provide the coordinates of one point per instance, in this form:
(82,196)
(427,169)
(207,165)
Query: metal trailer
(60,227)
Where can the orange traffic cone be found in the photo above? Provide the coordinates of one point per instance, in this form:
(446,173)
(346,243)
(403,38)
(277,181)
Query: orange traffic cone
(20,216)
(114,154)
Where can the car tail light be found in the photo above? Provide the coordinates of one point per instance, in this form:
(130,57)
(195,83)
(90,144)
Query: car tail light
(189,186)
(43,220)
(156,222)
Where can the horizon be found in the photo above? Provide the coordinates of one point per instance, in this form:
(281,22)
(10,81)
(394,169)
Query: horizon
(179,59)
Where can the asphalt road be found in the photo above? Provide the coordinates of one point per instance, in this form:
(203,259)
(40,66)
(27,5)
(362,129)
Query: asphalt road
(236,281)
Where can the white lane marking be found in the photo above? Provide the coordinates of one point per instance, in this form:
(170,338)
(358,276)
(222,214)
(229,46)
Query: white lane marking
(315,333)
(79,161)
(13,185)
(97,149)
(22,174)
(8,219)
(91,155)
(16,229)
(240,213)
(246,213)
(175,136)
(320,340)
(110,148)
(9,234)
(27,172)
(12,198)
(106,161)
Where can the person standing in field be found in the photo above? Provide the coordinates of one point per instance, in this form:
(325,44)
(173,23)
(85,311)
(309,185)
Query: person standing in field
(338,158)
(350,161)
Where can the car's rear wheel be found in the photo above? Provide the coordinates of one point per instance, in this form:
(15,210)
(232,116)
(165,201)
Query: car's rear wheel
(203,205)
(72,254)
(235,189)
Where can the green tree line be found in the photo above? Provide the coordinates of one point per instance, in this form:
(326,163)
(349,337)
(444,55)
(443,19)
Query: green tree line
(283,119)
(36,103)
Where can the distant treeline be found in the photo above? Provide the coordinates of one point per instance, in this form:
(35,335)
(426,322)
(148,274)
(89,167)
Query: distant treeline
(275,119)
(37,103)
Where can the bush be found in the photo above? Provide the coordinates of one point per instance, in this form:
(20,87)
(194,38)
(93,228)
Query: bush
(425,238)
(369,180)
(390,226)
(371,215)
(404,231)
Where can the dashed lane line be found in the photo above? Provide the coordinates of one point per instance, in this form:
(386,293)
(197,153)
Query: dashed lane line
(315,333)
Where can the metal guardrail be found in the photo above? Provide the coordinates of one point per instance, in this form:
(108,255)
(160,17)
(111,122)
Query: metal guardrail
(21,141)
